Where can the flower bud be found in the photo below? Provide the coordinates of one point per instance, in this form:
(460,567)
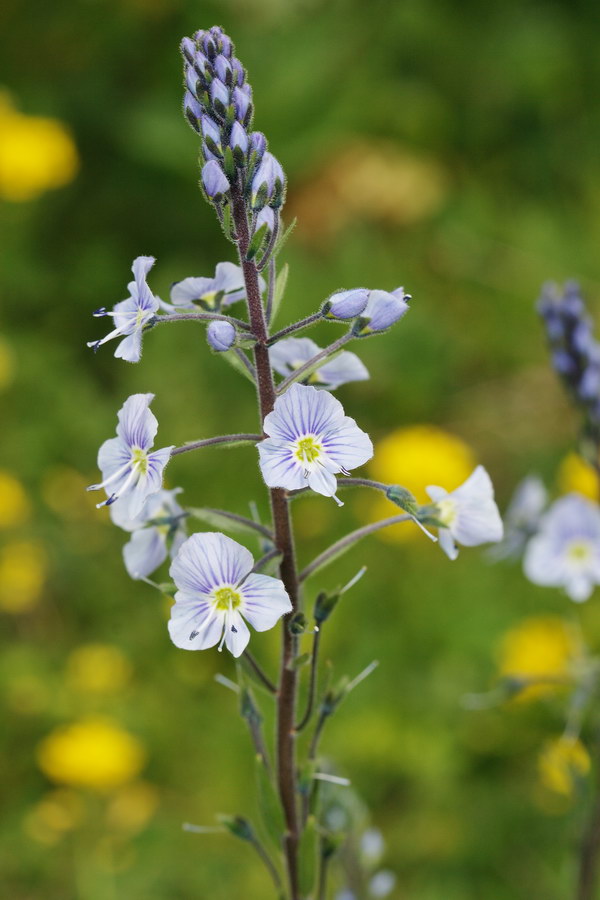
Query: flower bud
(220,335)
(265,217)
(211,134)
(239,143)
(268,183)
(219,93)
(188,49)
(346,304)
(383,309)
(191,79)
(242,104)
(214,181)
(192,110)
(239,73)
(258,144)
(223,70)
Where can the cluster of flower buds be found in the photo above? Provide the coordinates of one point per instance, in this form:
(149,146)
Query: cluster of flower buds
(373,311)
(575,351)
(218,106)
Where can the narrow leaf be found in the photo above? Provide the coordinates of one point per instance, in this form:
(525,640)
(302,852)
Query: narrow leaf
(308,853)
(269,806)
(235,362)
(226,521)
(280,285)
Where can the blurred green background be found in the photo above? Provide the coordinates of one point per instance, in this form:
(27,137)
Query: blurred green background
(452,148)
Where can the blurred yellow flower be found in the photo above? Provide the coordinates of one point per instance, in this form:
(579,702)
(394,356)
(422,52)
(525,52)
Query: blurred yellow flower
(415,457)
(64,491)
(98,669)
(22,575)
(575,474)
(36,154)
(95,753)
(58,811)
(540,647)
(561,764)
(14,505)
(7,364)
(132,807)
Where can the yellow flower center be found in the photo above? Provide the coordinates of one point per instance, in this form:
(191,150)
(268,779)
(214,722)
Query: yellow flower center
(446,511)
(226,598)
(139,458)
(308,450)
(579,552)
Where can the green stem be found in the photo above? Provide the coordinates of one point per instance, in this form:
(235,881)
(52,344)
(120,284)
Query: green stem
(312,688)
(222,439)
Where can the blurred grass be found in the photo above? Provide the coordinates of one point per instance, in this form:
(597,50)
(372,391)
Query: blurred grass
(495,108)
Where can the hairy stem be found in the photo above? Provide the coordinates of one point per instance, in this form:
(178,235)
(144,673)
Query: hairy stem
(258,671)
(309,365)
(347,541)
(202,317)
(213,441)
(312,689)
(297,326)
(284,541)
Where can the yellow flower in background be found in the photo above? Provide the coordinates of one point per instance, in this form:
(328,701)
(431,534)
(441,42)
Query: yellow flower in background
(64,491)
(22,576)
(132,807)
(575,474)
(415,457)
(98,669)
(57,812)
(95,753)
(562,763)
(14,505)
(7,364)
(540,647)
(37,154)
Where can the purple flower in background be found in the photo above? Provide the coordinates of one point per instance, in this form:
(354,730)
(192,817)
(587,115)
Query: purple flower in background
(130,471)
(566,550)
(469,513)
(130,316)
(346,304)
(225,288)
(160,523)
(217,591)
(220,335)
(310,441)
(288,355)
(383,309)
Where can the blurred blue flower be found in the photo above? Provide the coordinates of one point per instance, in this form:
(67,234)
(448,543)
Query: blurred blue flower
(288,355)
(469,514)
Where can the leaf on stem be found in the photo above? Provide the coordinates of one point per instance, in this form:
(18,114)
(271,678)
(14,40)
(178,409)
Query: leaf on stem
(226,521)
(280,286)
(236,363)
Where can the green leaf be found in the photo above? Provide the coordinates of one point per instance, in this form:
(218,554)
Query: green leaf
(302,660)
(280,285)
(269,806)
(236,363)
(283,237)
(256,242)
(238,826)
(226,521)
(308,853)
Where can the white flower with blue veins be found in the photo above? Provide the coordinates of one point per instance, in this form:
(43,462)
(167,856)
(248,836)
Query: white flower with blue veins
(310,441)
(288,355)
(218,593)
(131,316)
(566,550)
(469,514)
(226,287)
(131,470)
(160,523)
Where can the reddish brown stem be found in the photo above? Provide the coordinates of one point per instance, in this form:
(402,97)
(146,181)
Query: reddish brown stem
(284,541)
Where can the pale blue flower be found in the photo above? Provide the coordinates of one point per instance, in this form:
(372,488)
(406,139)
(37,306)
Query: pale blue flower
(383,309)
(226,287)
(382,883)
(130,471)
(220,335)
(566,550)
(469,513)
(288,355)
(159,525)
(131,316)
(521,518)
(217,591)
(310,441)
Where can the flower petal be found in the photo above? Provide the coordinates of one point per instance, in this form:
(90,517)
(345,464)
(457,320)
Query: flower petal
(193,624)
(237,634)
(145,552)
(346,444)
(279,466)
(264,601)
(207,560)
(137,424)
